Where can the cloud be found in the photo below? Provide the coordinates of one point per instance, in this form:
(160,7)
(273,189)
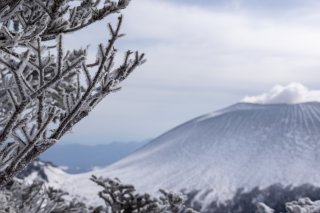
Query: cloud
(292,93)
(189,45)
(200,58)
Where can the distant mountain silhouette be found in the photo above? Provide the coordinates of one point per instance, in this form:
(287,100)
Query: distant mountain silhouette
(78,158)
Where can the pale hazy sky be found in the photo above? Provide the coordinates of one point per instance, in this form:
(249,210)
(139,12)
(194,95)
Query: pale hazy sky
(202,56)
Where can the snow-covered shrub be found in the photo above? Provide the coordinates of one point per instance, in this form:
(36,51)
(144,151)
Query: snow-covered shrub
(302,205)
(123,198)
(36,198)
(275,197)
(118,198)
(44,89)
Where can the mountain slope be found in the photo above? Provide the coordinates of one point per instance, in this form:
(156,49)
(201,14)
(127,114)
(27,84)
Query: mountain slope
(44,171)
(243,146)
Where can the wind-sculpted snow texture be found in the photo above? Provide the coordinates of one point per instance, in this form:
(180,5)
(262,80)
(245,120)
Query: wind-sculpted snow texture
(243,146)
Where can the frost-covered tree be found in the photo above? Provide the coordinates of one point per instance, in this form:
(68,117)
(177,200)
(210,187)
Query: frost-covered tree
(118,197)
(123,198)
(37,198)
(44,89)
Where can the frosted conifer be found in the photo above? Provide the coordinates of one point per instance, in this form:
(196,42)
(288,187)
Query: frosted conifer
(37,198)
(123,198)
(43,93)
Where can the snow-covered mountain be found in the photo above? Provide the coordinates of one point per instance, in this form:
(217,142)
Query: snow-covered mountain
(242,146)
(44,171)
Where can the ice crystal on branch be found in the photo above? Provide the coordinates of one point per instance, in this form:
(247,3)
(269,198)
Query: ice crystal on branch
(42,92)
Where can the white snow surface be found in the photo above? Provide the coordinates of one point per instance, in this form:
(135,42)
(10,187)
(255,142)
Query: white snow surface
(292,93)
(242,146)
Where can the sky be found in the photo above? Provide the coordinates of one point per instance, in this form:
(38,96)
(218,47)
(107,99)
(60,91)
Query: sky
(203,56)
